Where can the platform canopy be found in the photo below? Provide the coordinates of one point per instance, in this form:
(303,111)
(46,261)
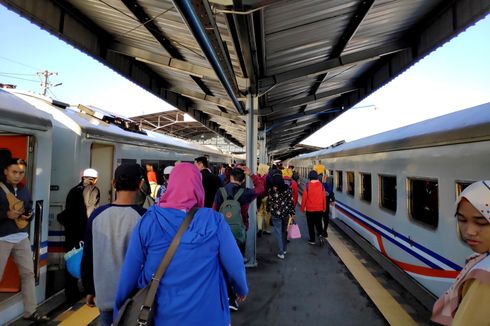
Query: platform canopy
(307,60)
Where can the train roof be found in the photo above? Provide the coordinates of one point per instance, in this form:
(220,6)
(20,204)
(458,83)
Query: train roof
(19,113)
(463,126)
(80,121)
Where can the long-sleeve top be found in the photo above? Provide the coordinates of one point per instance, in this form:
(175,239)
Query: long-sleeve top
(245,199)
(193,290)
(106,240)
(313,197)
(280,203)
(211,184)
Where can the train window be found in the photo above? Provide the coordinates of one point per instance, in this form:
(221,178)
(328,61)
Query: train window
(339,181)
(424,201)
(461,185)
(366,187)
(388,192)
(350,183)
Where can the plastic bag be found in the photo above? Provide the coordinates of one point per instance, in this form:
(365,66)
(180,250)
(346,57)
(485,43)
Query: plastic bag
(73,259)
(293,230)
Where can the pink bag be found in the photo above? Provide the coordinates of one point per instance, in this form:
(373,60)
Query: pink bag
(293,231)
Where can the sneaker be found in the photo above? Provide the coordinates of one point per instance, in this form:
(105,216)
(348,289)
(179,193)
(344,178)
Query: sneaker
(280,256)
(233,304)
(285,252)
(37,317)
(312,242)
(267,232)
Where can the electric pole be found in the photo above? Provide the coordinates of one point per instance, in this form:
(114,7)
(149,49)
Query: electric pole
(46,84)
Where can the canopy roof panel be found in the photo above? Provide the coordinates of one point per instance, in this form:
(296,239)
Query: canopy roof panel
(307,61)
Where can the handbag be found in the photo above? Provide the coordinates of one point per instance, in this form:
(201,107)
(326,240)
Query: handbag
(293,230)
(14,204)
(73,259)
(138,309)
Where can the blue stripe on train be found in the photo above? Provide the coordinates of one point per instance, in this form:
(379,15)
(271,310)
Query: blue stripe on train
(416,245)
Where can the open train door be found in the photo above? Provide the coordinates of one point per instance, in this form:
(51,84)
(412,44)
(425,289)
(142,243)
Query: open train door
(18,145)
(102,160)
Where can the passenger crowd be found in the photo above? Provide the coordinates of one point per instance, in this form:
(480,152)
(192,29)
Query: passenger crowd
(126,240)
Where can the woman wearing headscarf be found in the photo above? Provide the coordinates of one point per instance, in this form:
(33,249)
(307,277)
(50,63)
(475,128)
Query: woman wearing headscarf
(467,300)
(280,204)
(193,289)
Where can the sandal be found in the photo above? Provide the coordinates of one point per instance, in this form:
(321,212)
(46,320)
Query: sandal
(37,317)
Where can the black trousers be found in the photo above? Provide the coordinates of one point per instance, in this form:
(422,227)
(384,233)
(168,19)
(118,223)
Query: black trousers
(326,218)
(314,220)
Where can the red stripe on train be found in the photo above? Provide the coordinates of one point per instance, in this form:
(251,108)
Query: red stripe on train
(421,270)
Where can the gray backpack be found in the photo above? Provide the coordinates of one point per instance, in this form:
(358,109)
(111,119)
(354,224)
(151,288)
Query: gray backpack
(232,212)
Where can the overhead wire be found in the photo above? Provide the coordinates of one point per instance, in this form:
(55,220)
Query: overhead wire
(19,63)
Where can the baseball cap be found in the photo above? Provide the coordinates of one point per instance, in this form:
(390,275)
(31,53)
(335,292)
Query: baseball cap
(128,172)
(168,169)
(90,173)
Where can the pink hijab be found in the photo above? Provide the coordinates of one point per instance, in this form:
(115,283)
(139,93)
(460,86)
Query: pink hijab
(184,189)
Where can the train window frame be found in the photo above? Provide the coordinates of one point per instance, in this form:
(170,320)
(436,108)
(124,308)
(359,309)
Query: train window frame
(429,221)
(460,185)
(339,181)
(362,189)
(381,194)
(350,191)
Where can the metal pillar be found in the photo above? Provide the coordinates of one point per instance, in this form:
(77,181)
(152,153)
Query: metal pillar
(252,129)
(263,148)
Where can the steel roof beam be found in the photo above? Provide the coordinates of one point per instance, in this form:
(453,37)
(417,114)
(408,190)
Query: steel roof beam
(200,21)
(347,60)
(148,23)
(306,100)
(170,63)
(198,96)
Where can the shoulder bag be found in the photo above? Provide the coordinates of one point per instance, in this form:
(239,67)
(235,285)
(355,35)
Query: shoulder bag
(138,310)
(14,204)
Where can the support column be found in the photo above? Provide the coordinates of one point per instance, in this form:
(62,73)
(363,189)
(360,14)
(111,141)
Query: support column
(252,129)
(263,148)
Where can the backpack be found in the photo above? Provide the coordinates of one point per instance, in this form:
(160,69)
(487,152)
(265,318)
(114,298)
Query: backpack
(232,212)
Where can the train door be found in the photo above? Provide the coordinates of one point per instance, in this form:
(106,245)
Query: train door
(19,146)
(102,159)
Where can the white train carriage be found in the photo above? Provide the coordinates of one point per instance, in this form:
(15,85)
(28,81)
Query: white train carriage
(397,190)
(84,137)
(27,133)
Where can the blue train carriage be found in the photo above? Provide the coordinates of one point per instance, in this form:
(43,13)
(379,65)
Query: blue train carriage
(397,190)
(27,133)
(84,136)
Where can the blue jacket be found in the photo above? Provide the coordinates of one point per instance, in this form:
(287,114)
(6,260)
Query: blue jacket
(193,290)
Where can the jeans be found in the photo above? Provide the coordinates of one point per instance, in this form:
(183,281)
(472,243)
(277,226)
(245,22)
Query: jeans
(22,254)
(279,231)
(106,317)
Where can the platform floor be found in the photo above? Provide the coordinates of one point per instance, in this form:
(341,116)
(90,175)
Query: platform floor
(310,287)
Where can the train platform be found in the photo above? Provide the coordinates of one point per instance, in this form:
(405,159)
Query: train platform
(333,284)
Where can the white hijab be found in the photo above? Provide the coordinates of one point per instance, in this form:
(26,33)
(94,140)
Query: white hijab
(478,194)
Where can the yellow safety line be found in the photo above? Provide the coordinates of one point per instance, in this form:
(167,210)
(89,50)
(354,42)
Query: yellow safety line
(389,307)
(83,316)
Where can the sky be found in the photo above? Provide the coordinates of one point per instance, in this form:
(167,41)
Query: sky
(454,77)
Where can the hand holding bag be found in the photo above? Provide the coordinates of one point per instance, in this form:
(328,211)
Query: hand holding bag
(73,259)
(138,310)
(15,204)
(293,230)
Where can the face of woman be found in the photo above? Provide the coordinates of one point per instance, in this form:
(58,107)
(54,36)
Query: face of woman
(474,227)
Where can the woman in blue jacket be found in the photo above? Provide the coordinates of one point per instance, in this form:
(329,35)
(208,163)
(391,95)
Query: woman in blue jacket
(193,289)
